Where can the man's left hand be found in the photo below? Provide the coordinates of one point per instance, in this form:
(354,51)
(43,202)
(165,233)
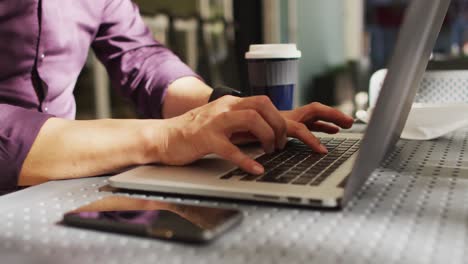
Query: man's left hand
(315,117)
(312,117)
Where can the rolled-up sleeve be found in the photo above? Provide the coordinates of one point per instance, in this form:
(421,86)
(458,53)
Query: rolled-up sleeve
(18,130)
(138,65)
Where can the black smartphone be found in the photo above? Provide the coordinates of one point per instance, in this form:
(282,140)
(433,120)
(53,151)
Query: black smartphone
(155,219)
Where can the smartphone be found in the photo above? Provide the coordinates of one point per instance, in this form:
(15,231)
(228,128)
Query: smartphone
(155,219)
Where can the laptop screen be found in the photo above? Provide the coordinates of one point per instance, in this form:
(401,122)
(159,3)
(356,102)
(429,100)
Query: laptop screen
(418,34)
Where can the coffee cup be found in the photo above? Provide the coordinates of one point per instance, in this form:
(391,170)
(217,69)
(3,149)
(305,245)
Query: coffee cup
(273,71)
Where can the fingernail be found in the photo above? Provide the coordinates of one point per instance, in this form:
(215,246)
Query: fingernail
(257,169)
(323,149)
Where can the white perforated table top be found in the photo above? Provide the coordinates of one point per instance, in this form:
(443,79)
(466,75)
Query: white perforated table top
(412,210)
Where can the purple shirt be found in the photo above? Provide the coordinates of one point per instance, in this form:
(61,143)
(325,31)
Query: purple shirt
(43,47)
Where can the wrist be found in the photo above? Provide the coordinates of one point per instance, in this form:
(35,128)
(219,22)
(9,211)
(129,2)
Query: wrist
(154,136)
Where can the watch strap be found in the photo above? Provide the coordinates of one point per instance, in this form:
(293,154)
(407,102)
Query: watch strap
(221,91)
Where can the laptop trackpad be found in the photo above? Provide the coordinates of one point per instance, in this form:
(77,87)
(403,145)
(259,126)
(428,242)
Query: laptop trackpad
(205,168)
(215,165)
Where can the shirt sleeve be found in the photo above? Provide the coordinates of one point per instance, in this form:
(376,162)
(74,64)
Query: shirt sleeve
(138,65)
(18,130)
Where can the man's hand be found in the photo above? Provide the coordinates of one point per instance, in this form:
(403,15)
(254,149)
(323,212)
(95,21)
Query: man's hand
(217,127)
(315,117)
(210,129)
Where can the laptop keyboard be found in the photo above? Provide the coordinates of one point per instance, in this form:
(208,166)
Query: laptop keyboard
(298,164)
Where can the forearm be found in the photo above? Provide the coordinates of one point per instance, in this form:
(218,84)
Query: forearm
(184,95)
(67,149)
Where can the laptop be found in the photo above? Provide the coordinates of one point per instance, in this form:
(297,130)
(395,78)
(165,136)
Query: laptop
(297,175)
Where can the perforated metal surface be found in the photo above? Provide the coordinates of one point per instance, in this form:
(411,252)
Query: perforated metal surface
(437,87)
(412,210)
(443,87)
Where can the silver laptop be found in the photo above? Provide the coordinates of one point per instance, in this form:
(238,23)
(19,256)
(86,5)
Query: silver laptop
(297,175)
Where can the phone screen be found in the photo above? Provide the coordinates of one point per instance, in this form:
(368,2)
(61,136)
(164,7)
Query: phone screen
(158,219)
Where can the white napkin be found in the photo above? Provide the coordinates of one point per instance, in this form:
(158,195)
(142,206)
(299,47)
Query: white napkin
(430,121)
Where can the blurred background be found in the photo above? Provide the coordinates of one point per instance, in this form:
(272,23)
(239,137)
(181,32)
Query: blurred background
(343,42)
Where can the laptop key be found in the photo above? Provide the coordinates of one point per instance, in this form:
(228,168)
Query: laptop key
(276,180)
(320,179)
(302,181)
(293,173)
(250,177)
(227,176)
(234,173)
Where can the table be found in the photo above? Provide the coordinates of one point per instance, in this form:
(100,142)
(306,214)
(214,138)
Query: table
(414,209)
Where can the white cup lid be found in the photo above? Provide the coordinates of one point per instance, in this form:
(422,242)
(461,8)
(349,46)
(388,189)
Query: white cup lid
(273,51)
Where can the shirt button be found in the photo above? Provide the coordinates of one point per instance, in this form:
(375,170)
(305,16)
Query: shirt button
(46,109)
(42,56)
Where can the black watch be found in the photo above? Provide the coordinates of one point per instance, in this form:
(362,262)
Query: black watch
(221,91)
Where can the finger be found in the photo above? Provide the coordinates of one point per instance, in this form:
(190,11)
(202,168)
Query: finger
(301,132)
(253,122)
(316,111)
(270,114)
(243,138)
(228,151)
(323,127)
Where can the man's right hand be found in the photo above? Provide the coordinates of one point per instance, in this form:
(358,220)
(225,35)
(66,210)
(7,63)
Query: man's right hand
(211,128)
